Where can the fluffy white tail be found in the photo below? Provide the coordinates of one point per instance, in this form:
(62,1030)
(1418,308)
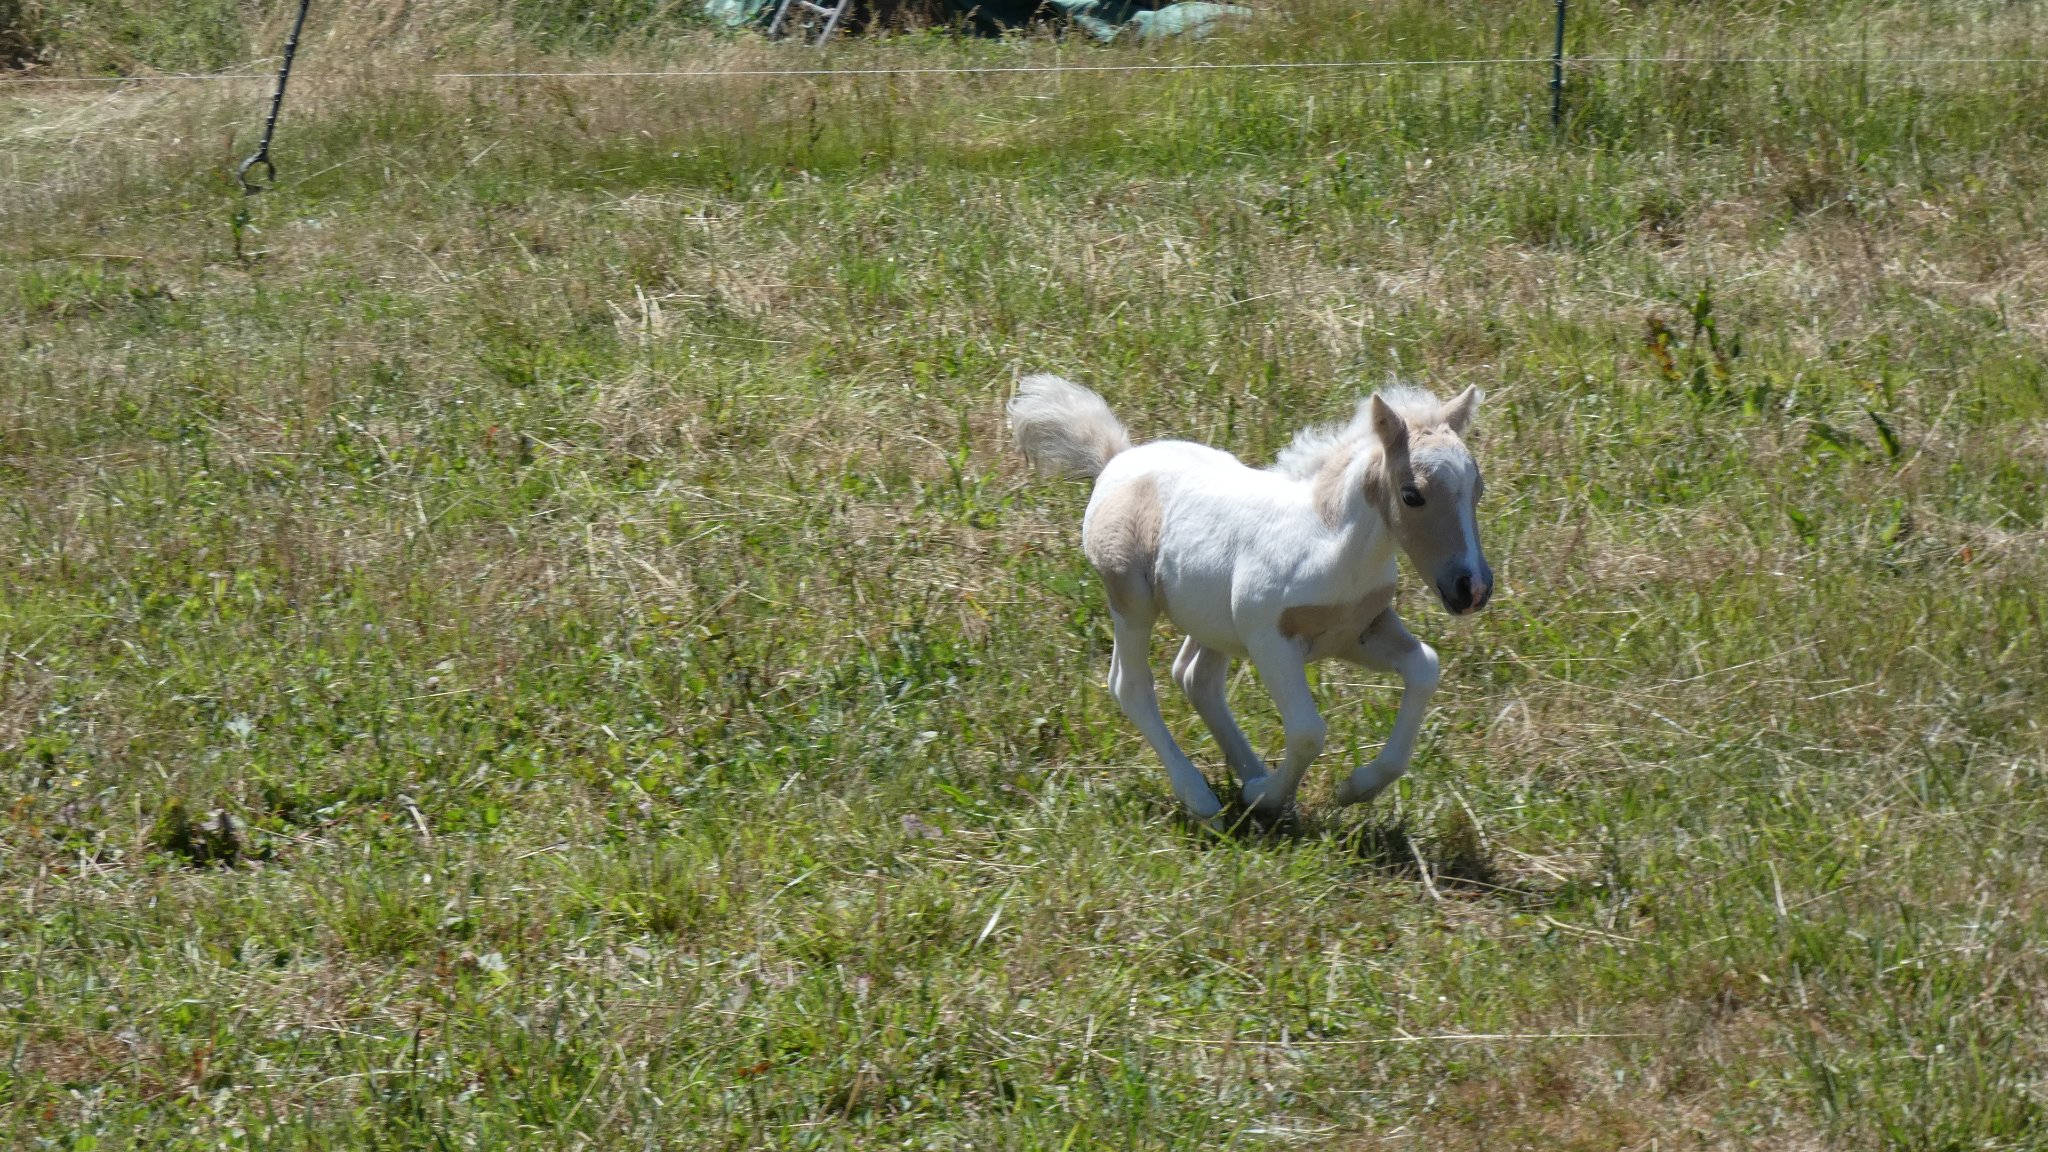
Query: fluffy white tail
(1063,428)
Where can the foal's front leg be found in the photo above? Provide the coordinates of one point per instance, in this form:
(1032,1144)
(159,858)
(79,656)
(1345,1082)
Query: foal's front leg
(1388,646)
(1283,666)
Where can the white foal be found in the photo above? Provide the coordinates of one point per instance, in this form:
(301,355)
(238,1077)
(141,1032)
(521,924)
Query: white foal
(1286,565)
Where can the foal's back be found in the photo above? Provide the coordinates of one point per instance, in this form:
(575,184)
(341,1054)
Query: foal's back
(1176,528)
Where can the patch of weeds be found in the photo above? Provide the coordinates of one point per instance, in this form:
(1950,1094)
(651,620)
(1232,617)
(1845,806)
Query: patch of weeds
(24,33)
(1703,363)
(101,36)
(1824,440)
(1459,853)
(213,839)
(379,914)
(1809,188)
(1661,217)
(671,893)
(1542,216)
(72,292)
(79,828)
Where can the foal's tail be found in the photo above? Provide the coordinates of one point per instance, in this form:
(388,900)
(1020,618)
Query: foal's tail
(1063,428)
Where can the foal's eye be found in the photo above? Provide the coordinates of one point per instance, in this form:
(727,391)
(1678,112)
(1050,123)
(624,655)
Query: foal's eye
(1411,495)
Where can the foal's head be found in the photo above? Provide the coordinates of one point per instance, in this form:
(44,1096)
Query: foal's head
(1426,485)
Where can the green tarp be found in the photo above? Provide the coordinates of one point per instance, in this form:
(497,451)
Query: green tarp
(1107,21)
(737,13)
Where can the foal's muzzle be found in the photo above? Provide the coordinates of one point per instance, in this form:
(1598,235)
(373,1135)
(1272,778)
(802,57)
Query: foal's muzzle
(1465,589)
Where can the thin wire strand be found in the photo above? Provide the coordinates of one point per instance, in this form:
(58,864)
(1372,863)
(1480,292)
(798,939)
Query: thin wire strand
(1002,69)
(1836,60)
(982,70)
(713,73)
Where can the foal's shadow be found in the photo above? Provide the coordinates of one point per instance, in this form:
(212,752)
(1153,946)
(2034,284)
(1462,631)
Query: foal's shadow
(1451,859)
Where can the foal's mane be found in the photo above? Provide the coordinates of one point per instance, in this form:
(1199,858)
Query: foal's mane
(1313,446)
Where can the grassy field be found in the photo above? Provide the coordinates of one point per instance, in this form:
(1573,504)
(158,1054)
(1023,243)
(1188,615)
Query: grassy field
(531,635)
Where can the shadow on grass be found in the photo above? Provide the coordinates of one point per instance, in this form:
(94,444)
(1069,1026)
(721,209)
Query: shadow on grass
(1452,859)
(1452,855)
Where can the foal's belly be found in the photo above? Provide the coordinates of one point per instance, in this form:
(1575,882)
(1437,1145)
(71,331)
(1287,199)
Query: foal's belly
(1222,640)
(1201,609)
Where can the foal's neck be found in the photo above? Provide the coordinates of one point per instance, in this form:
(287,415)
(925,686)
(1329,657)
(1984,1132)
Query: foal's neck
(1364,530)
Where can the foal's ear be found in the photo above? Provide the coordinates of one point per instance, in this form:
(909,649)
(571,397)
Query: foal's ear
(1388,426)
(1458,412)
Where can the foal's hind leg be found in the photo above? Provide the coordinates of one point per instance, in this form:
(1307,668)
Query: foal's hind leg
(1388,646)
(1130,680)
(1202,674)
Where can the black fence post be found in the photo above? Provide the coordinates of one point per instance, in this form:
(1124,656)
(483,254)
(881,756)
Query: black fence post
(1557,75)
(284,73)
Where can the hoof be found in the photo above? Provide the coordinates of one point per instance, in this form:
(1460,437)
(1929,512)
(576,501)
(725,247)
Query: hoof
(1262,797)
(1366,783)
(1204,810)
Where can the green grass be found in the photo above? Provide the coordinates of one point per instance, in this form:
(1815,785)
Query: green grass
(530,634)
